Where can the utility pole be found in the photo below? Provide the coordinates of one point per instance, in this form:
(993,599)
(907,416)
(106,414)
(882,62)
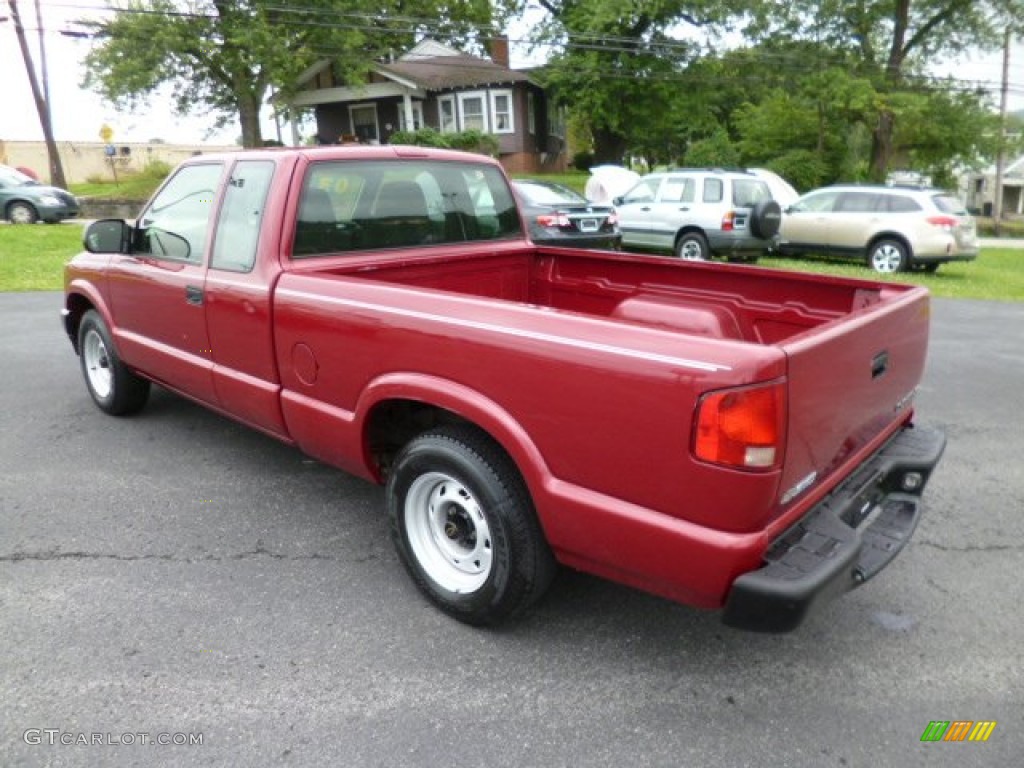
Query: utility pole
(997,204)
(42,104)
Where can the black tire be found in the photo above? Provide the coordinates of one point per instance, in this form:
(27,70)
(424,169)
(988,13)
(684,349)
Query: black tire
(765,219)
(20,212)
(692,246)
(112,386)
(931,267)
(465,528)
(888,256)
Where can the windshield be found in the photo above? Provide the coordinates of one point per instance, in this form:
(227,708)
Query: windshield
(9,177)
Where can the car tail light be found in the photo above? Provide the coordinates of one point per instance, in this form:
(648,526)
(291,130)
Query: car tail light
(947,223)
(729,221)
(742,427)
(553,220)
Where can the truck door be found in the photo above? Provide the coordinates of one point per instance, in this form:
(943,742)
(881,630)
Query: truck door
(238,296)
(156,291)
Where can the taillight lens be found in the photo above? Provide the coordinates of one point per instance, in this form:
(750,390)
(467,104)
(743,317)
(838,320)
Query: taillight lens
(742,427)
(729,221)
(553,220)
(947,223)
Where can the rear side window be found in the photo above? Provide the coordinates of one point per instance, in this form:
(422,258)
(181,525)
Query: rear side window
(746,193)
(238,229)
(900,204)
(350,206)
(712,190)
(948,204)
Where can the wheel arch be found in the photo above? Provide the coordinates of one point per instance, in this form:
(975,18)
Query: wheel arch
(686,230)
(398,407)
(897,236)
(79,299)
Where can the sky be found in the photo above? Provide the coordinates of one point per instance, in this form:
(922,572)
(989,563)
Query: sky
(78,114)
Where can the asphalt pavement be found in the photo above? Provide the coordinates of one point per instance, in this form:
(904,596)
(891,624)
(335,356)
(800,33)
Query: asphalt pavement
(176,577)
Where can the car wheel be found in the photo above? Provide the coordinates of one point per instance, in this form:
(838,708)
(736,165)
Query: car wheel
(113,387)
(22,213)
(464,526)
(765,219)
(693,246)
(887,256)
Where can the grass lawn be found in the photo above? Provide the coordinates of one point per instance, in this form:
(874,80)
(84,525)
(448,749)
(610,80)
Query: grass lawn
(32,259)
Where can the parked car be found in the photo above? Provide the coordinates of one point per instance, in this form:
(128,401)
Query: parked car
(23,200)
(890,228)
(557,215)
(696,213)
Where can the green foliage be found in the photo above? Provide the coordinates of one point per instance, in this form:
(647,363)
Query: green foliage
(717,150)
(467,141)
(583,161)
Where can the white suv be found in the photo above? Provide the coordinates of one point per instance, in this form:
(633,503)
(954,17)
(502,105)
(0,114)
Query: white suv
(695,213)
(891,229)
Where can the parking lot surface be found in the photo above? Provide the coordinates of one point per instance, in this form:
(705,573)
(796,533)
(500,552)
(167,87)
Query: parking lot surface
(176,575)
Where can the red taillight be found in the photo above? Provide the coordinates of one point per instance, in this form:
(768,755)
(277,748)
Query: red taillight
(553,220)
(742,427)
(947,223)
(729,221)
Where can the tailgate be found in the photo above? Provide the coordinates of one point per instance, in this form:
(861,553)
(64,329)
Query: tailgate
(850,380)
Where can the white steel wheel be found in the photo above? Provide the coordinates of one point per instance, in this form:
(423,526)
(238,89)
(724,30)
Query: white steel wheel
(448,532)
(887,257)
(111,384)
(96,364)
(464,526)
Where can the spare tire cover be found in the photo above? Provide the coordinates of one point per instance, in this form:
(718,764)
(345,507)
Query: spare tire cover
(765,219)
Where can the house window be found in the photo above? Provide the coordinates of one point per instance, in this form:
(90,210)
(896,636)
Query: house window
(531,113)
(364,122)
(472,105)
(446,107)
(501,111)
(417,116)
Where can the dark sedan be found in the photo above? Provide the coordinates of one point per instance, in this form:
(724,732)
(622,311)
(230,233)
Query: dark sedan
(23,200)
(556,215)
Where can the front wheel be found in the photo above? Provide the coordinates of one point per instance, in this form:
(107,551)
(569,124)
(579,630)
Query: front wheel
(22,213)
(464,526)
(693,246)
(887,257)
(113,387)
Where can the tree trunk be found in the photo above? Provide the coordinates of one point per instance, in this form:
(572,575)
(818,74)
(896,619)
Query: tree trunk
(249,117)
(881,146)
(609,146)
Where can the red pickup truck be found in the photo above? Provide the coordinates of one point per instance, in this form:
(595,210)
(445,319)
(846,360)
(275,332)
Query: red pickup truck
(724,436)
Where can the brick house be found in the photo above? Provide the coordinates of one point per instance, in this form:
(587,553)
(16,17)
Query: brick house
(439,87)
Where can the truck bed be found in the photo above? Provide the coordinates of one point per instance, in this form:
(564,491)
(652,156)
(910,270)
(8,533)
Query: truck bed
(753,305)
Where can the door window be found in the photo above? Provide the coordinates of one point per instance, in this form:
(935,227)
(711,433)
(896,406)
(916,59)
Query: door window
(177,222)
(712,190)
(679,191)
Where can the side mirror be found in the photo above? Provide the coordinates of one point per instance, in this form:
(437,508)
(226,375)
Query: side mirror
(617,200)
(108,236)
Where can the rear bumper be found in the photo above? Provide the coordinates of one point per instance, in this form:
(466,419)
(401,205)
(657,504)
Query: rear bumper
(847,538)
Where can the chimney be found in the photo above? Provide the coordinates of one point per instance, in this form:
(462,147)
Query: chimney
(498,48)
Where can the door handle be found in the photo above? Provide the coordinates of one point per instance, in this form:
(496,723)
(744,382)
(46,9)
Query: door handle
(646,208)
(194,295)
(685,208)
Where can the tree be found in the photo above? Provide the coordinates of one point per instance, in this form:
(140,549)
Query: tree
(619,65)
(228,57)
(890,42)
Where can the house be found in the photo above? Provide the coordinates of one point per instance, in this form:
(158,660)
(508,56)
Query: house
(980,193)
(436,86)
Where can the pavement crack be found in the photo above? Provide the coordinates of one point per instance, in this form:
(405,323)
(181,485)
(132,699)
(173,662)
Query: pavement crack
(53,556)
(969,547)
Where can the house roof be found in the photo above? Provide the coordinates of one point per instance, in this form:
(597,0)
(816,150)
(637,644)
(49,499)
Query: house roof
(442,72)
